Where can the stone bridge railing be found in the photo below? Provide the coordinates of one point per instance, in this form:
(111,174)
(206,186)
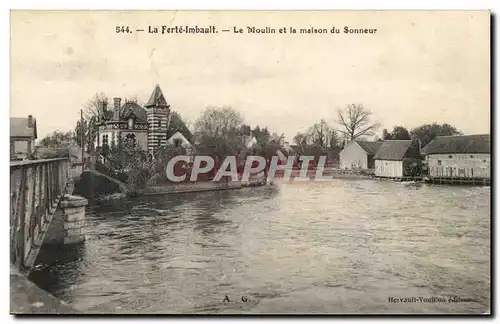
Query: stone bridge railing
(36,189)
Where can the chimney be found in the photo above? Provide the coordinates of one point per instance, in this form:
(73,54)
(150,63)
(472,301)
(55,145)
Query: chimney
(100,110)
(30,121)
(116,108)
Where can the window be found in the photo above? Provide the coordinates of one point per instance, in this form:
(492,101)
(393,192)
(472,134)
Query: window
(450,156)
(105,140)
(130,123)
(159,124)
(177,142)
(439,162)
(472,156)
(130,139)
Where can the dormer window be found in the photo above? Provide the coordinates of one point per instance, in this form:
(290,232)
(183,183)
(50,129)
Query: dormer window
(130,123)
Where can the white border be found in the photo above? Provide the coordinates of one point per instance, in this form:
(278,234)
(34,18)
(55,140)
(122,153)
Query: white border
(183,4)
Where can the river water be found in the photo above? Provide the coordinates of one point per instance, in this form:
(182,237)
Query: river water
(312,247)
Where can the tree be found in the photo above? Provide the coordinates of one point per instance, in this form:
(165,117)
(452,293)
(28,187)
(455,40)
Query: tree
(398,133)
(218,123)
(87,130)
(385,135)
(90,120)
(217,131)
(355,121)
(323,135)
(301,140)
(57,139)
(261,135)
(91,107)
(428,132)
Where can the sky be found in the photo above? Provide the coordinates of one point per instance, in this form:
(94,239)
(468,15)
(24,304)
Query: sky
(419,67)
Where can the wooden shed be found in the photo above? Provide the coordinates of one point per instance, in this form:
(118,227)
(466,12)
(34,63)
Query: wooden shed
(395,158)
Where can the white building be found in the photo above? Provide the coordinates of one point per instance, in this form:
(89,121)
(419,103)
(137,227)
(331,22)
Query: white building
(394,158)
(359,155)
(459,157)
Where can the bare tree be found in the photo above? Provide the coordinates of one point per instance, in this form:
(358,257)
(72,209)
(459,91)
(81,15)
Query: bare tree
(91,116)
(323,135)
(135,98)
(91,107)
(355,121)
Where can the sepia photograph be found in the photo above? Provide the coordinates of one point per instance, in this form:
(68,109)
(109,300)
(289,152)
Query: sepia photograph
(200,162)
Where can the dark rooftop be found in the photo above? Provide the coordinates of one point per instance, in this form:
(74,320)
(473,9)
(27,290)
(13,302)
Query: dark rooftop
(19,127)
(370,147)
(157,98)
(459,144)
(396,150)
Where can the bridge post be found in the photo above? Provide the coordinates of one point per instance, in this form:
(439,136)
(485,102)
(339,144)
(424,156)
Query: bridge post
(69,220)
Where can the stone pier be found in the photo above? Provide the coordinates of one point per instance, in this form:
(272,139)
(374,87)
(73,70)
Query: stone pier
(69,222)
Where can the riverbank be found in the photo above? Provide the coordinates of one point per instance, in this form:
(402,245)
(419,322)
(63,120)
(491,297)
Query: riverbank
(201,187)
(27,298)
(99,187)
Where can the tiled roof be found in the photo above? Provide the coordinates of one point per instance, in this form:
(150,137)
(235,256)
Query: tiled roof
(157,98)
(128,108)
(133,108)
(459,144)
(19,127)
(370,147)
(396,150)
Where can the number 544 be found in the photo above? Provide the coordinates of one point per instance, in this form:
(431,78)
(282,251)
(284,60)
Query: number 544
(122,29)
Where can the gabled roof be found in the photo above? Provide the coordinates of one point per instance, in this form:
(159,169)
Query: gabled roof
(176,124)
(185,132)
(459,144)
(169,136)
(370,148)
(19,127)
(157,98)
(396,150)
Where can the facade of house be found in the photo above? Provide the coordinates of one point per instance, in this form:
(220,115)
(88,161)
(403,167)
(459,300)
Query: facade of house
(23,133)
(459,157)
(147,126)
(178,139)
(359,155)
(395,158)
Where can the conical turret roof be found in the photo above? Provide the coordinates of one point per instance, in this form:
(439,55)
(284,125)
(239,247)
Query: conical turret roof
(157,99)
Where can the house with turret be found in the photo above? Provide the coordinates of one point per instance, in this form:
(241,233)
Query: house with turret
(146,126)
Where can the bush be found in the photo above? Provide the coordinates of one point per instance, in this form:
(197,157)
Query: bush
(119,175)
(51,153)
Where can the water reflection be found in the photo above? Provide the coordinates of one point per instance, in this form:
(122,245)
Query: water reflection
(339,246)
